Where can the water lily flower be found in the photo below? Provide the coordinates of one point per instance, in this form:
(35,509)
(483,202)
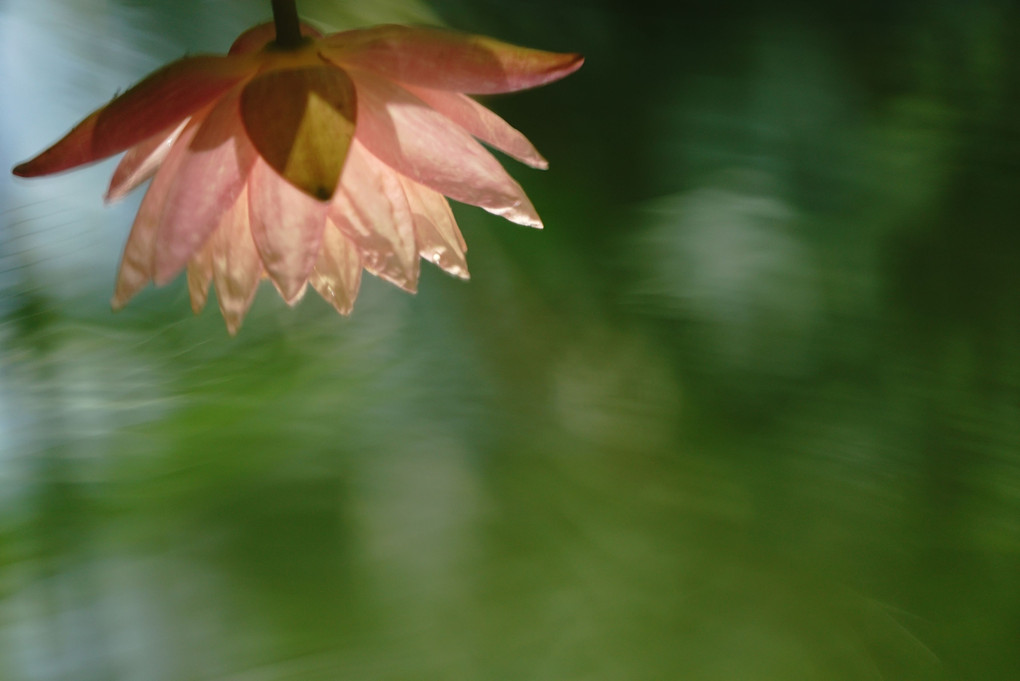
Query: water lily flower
(307,161)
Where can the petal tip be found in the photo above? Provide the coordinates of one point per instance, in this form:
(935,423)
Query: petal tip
(568,63)
(116,193)
(404,284)
(290,289)
(519,216)
(571,61)
(34,167)
(164,273)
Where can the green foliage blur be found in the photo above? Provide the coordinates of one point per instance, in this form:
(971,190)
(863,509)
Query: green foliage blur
(747,409)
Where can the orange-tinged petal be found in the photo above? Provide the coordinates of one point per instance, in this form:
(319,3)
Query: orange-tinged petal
(301,121)
(141,162)
(199,276)
(482,123)
(162,100)
(208,181)
(236,265)
(436,233)
(372,211)
(337,273)
(136,265)
(447,60)
(411,137)
(287,227)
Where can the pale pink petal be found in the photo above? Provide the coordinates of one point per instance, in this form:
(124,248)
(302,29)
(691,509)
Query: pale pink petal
(337,272)
(208,181)
(447,60)
(287,227)
(199,276)
(137,263)
(162,100)
(301,120)
(409,136)
(482,123)
(299,296)
(236,265)
(435,229)
(372,211)
(141,162)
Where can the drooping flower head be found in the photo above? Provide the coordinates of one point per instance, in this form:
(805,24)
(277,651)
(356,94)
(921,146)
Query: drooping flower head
(309,163)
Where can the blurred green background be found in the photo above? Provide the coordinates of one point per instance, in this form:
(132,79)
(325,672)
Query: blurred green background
(748,408)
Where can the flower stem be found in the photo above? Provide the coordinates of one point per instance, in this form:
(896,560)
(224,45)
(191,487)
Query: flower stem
(288,29)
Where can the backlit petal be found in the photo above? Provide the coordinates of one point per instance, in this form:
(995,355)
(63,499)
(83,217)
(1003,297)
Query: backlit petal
(482,123)
(436,233)
(337,273)
(301,121)
(287,227)
(236,265)
(372,211)
(161,101)
(136,265)
(141,162)
(406,134)
(199,276)
(208,181)
(447,60)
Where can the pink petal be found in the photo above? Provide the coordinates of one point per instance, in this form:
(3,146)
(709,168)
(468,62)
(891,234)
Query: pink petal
(161,101)
(301,291)
(136,265)
(301,121)
(482,123)
(236,265)
(141,162)
(446,60)
(435,229)
(287,227)
(409,136)
(337,273)
(208,182)
(199,276)
(372,211)
(258,37)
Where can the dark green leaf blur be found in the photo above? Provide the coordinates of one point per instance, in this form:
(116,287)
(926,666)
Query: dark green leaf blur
(747,409)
